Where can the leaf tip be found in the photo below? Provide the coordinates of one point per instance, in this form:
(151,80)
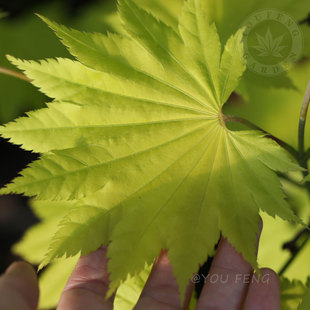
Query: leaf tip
(44,19)
(13,60)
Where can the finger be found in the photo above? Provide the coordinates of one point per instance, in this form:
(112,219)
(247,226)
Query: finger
(161,290)
(88,284)
(19,288)
(264,292)
(226,285)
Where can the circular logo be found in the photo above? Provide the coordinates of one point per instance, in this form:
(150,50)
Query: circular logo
(273,41)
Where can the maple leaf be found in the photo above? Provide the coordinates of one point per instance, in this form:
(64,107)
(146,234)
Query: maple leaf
(269,46)
(136,137)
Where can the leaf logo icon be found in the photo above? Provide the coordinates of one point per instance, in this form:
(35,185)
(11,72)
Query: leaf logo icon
(268,45)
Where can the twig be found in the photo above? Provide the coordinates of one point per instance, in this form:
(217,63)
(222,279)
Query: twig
(307,154)
(15,74)
(302,159)
(302,154)
(291,259)
(305,20)
(292,244)
(301,128)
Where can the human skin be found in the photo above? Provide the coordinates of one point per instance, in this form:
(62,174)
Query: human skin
(89,282)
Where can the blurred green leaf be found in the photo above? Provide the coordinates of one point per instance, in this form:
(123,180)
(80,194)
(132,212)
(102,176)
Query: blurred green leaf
(305,304)
(53,280)
(292,292)
(34,243)
(276,232)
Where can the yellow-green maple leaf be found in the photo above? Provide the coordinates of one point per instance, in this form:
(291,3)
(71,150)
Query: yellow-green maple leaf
(137,136)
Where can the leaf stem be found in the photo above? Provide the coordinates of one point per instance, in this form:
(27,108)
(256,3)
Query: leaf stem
(15,74)
(289,148)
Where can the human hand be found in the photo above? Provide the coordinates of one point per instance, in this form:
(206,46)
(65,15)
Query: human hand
(228,286)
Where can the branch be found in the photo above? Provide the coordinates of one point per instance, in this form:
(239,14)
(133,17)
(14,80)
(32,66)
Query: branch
(305,20)
(294,255)
(303,161)
(15,74)
(307,153)
(289,148)
(292,244)
(301,128)
(302,154)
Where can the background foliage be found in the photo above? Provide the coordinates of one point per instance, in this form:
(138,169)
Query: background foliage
(273,105)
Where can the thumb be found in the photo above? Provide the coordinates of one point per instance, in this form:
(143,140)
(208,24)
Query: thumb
(19,288)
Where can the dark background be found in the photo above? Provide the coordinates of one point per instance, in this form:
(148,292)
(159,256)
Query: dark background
(15,8)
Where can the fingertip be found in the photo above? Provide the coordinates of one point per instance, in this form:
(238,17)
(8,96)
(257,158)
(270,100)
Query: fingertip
(88,284)
(21,268)
(19,286)
(227,257)
(95,259)
(267,278)
(161,290)
(264,291)
(271,275)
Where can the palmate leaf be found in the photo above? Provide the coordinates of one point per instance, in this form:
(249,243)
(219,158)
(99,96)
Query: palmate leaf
(137,136)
